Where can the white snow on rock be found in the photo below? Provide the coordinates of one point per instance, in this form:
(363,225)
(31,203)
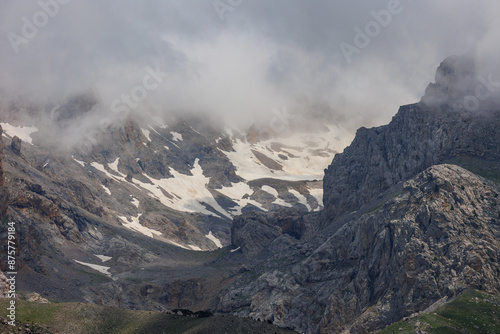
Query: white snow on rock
(302,156)
(318,194)
(176,136)
(212,238)
(102,269)
(236,192)
(114,165)
(188,191)
(135,201)
(136,226)
(270,190)
(103,258)
(81,163)
(302,199)
(23,132)
(146,134)
(106,189)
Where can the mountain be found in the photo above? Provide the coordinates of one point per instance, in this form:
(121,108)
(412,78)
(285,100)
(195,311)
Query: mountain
(429,239)
(166,213)
(401,228)
(124,214)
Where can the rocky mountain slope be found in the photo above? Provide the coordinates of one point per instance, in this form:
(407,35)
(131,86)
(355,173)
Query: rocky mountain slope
(429,240)
(148,215)
(435,131)
(400,230)
(123,216)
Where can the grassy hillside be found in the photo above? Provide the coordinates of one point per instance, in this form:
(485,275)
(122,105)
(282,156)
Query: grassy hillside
(471,312)
(82,318)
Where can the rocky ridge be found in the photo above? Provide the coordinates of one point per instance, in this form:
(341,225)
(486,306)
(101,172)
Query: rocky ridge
(419,136)
(400,229)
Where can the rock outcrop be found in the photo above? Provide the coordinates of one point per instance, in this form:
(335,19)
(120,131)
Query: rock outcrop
(432,240)
(403,224)
(15,145)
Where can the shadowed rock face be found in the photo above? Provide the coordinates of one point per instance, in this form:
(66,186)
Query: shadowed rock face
(16,145)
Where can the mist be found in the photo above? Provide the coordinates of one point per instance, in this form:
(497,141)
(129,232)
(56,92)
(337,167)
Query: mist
(239,60)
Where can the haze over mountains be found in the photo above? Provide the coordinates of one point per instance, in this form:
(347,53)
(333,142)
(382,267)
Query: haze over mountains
(231,161)
(122,221)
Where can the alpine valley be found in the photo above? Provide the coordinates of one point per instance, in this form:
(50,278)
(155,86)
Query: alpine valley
(168,213)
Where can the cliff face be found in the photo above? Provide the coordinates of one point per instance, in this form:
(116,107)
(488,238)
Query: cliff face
(408,220)
(439,235)
(434,131)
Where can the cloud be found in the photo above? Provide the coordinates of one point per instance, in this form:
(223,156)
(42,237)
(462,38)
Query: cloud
(260,56)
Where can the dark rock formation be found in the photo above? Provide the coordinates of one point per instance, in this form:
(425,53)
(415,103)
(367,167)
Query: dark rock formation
(15,145)
(255,231)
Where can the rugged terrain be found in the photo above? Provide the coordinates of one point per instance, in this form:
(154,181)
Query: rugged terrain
(400,229)
(163,214)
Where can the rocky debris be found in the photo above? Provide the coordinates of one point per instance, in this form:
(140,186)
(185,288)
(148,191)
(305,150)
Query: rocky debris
(36,298)
(434,239)
(15,145)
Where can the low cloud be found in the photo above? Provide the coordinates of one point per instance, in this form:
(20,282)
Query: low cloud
(260,56)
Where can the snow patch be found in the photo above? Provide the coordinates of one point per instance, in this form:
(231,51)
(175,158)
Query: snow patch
(318,194)
(135,201)
(146,133)
(302,199)
(236,193)
(102,269)
(176,136)
(303,156)
(270,190)
(81,163)
(106,189)
(103,258)
(136,226)
(23,132)
(212,238)
(189,192)
(234,250)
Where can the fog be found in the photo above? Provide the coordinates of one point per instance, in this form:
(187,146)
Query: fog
(240,59)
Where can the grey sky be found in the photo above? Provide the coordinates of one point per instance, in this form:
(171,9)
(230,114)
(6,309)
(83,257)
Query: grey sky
(254,56)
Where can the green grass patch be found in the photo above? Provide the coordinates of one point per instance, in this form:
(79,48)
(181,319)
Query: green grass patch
(471,312)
